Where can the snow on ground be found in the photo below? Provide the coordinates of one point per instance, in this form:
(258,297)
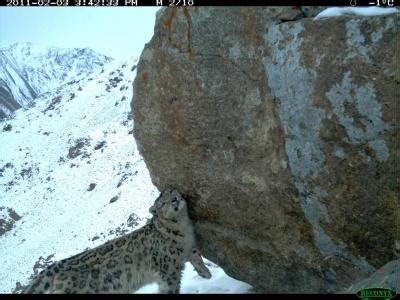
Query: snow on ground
(192,283)
(71,178)
(361,11)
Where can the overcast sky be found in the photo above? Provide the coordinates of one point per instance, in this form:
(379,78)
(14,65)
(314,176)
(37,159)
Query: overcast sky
(115,31)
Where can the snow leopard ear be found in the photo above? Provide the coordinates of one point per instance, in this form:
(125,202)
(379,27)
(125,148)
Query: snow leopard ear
(152,209)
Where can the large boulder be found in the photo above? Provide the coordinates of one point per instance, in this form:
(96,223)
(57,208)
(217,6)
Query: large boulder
(282,132)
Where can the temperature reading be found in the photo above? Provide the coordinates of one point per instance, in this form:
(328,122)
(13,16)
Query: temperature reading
(384,2)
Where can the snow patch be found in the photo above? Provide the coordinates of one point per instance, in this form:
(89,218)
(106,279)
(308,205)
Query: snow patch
(358,11)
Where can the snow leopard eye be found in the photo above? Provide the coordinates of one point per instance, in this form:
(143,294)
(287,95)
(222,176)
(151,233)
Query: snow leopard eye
(174,200)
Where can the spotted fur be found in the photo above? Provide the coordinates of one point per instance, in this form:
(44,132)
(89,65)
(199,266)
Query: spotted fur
(156,252)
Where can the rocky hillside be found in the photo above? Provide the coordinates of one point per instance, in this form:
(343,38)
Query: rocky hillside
(27,71)
(70,176)
(282,131)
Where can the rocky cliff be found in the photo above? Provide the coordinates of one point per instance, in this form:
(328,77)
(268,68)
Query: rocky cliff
(282,131)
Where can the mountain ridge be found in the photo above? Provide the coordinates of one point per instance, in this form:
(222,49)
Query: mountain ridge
(28,70)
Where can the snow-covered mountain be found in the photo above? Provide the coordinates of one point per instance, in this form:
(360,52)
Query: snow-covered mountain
(27,71)
(71,178)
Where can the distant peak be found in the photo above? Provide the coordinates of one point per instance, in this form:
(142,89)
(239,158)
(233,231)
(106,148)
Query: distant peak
(21,44)
(17,45)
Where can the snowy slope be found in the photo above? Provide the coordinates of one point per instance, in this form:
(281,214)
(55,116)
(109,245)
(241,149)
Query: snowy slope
(71,178)
(14,89)
(27,71)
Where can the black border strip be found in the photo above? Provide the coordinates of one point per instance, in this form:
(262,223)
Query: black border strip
(182,296)
(134,3)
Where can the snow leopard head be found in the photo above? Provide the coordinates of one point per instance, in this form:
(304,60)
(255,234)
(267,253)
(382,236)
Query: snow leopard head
(169,205)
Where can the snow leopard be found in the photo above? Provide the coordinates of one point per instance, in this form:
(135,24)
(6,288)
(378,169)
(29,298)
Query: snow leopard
(156,252)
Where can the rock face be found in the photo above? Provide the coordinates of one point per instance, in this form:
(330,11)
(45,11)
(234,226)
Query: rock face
(387,276)
(281,132)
